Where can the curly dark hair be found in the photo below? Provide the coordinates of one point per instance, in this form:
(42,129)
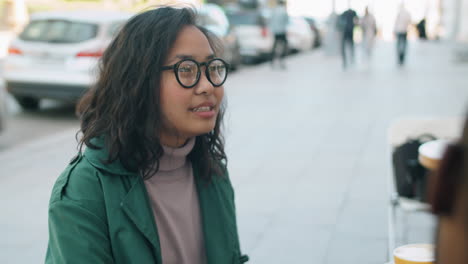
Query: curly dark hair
(124,106)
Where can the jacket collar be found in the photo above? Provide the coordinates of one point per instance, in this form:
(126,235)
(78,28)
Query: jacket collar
(218,238)
(137,207)
(98,158)
(135,203)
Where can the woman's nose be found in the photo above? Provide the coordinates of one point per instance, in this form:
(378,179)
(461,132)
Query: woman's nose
(204,85)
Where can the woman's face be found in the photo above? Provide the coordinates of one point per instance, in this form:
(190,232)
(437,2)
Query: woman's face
(188,112)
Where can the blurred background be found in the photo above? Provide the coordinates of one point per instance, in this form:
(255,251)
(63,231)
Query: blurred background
(308,143)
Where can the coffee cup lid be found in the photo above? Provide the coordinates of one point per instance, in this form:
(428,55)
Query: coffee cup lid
(415,252)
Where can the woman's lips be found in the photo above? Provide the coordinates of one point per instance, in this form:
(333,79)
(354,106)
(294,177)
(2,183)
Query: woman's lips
(204,111)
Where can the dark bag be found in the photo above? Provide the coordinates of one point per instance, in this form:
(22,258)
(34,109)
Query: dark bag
(410,175)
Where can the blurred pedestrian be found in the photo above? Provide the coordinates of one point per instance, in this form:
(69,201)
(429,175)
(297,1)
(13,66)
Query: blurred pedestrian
(152,184)
(346,23)
(278,25)
(332,36)
(403,21)
(448,195)
(421,26)
(369,28)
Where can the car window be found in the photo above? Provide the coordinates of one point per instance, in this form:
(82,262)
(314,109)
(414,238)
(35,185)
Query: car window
(114,28)
(219,16)
(214,20)
(206,20)
(310,20)
(295,22)
(59,31)
(303,25)
(245,19)
(34,30)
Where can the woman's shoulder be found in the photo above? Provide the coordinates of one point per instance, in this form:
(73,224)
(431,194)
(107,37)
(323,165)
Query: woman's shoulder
(78,195)
(79,181)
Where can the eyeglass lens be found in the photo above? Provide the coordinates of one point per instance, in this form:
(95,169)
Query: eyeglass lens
(217,72)
(188,72)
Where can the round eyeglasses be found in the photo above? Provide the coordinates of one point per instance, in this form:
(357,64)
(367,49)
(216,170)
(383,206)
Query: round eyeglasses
(187,71)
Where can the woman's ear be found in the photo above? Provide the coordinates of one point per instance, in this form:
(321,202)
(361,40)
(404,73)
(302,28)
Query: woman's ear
(444,182)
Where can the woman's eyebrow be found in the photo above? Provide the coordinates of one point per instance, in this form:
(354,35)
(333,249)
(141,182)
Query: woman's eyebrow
(183,56)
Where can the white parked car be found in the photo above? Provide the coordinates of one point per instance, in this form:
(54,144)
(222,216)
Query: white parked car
(57,53)
(300,35)
(213,18)
(255,38)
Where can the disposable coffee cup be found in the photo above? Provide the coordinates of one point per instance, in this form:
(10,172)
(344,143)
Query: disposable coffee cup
(414,254)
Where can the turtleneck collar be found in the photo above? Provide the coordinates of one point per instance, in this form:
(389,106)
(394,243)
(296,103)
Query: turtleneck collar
(174,158)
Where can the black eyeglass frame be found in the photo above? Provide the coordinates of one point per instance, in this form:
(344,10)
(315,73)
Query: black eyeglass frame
(175,68)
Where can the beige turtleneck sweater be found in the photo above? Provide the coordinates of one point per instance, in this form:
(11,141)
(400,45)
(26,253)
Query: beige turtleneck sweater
(174,200)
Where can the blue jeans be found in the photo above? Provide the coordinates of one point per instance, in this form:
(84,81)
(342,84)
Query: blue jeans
(347,48)
(402,44)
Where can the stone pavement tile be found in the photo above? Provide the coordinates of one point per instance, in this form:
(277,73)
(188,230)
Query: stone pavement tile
(25,193)
(23,241)
(369,183)
(292,238)
(320,198)
(356,249)
(252,226)
(321,179)
(308,195)
(364,218)
(420,228)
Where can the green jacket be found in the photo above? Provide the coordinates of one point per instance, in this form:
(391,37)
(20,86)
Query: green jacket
(100,213)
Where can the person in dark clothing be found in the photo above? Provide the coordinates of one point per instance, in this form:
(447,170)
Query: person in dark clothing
(346,23)
(403,21)
(278,25)
(422,29)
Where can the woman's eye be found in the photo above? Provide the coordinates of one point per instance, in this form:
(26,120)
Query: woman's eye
(185,69)
(216,68)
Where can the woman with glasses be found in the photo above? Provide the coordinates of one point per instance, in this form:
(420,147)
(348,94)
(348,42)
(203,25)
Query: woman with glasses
(151,184)
(448,195)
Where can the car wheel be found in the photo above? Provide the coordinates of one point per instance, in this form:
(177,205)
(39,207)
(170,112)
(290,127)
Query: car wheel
(237,57)
(234,67)
(249,60)
(28,103)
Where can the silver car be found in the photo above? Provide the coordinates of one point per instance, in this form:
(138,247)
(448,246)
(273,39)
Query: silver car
(255,38)
(213,18)
(57,53)
(300,35)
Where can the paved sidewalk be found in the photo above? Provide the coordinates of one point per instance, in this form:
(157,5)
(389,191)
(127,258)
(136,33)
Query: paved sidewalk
(310,151)
(307,155)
